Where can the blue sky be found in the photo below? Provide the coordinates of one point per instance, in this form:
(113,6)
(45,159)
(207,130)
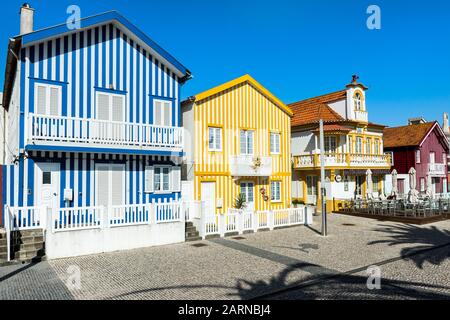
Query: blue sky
(297,49)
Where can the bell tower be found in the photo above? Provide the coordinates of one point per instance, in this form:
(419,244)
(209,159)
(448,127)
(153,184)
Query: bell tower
(356,100)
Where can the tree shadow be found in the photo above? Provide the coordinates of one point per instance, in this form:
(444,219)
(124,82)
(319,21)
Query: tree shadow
(421,239)
(337,286)
(303,247)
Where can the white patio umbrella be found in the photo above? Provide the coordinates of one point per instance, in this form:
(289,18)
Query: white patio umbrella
(369,184)
(413,194)
(394,183)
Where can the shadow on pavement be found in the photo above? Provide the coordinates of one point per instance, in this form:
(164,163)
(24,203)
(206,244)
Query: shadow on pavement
(421,239)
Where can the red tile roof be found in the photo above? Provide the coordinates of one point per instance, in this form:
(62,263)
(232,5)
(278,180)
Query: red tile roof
(312,110)
(406,136)
(333,128)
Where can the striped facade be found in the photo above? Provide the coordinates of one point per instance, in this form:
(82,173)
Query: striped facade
(240,105)
(105,57)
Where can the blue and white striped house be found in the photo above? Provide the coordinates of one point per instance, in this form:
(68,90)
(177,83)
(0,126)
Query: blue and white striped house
(92,118)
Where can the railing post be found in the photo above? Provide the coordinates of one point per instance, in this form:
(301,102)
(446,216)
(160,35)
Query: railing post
(8,232)
(202,220)
(222,224)
(271,220)
(104,217)
(239,221)
(43,217)
(255,221)
(50,223)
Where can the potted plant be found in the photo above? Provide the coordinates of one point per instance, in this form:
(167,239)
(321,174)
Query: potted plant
(240,202)
(296,203)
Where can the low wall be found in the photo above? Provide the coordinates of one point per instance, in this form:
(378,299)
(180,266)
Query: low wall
(93,241)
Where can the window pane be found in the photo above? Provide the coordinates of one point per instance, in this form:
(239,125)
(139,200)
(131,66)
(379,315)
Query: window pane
(47,178)
(218,139)
(166,179)
(211,138)
(249,142)
(243,142)
(157,182)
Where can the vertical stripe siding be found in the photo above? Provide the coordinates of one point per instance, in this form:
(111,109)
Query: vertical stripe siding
(100,56)
(241,107)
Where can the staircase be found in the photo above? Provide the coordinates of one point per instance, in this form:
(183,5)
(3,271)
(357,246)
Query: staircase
(192,233)
(3,245)
(27,245)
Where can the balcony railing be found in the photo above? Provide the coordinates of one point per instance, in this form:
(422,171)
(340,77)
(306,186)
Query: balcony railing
(361,116)
(250,166)
(44,129)
(438,169)
(342,160)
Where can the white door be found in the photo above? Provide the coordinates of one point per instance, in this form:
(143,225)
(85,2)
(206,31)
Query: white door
(247,189)
(208,192)
(311,185)
(47,185)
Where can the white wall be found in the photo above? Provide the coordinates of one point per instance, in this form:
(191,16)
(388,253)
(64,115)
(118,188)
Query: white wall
(94,241)
(189,147)
(302,142)
(388,183)
(338,190)
(340,107)
(12,120)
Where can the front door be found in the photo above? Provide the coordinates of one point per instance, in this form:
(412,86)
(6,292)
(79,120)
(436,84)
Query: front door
(311,185)
(247,190)
(208,192)
(47,185)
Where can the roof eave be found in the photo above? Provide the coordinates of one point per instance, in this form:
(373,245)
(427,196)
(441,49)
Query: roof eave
(14,46)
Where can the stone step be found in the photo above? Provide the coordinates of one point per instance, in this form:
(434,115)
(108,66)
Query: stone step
(193,239)
(192,234)
(28,240)
(25,255)
(190,229)
(28,246)
(2,242)
(189,224)
(28,233)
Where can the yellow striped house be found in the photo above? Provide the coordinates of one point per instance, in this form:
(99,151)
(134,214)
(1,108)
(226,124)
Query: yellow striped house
(237,142)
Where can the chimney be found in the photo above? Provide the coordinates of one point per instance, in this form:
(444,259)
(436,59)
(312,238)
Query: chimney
(445,124)
(26,19)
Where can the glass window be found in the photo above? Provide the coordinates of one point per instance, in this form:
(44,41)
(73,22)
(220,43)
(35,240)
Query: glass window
(357,101)
(246,142)
(275,143)
(350,144)
(377,147)
(311,183)
(47,178)
(368,146)
(330,144)
(275,190)
(418,156)
(161,179)
(215,139)
(375,182)
(358,146)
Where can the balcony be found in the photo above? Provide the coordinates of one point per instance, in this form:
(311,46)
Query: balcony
(250,166)
(46,130)
(361,116)
(344,160)
(437,169)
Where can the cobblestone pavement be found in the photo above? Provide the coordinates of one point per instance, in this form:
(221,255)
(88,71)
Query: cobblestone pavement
(294,263)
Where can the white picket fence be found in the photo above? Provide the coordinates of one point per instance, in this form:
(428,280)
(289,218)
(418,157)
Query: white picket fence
(240,221)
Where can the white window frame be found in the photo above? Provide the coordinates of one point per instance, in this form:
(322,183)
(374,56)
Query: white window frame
(163,101)
(161,190)
(246,134)
(418,156)
(358,101)
(330,144)
(47,97)
(110,96)
(215,148)
(360,144)
(275,185)
(275,143)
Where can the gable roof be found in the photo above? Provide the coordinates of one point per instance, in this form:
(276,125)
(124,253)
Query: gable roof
(246,78)
(410,136)
(20,41)
(102,18)
(313,109)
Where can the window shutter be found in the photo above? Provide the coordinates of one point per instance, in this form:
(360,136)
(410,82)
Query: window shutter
(117,183)
(157,112)
(55,98)
(103,186)
(176,179)
(149,185)
(41,100)
(103,107)
(118,108)
(167,114)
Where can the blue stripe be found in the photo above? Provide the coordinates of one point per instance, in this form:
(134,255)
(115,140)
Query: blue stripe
(30,199)
(82,75)
(99,19)
(12,185)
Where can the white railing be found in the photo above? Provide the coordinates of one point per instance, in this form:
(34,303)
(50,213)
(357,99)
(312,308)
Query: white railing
(58,129)
(134,214)
(25,218)
(361,116)
(240,221)
(381,160)
(70,219)
(168,212)
(437,169)
(250,166)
